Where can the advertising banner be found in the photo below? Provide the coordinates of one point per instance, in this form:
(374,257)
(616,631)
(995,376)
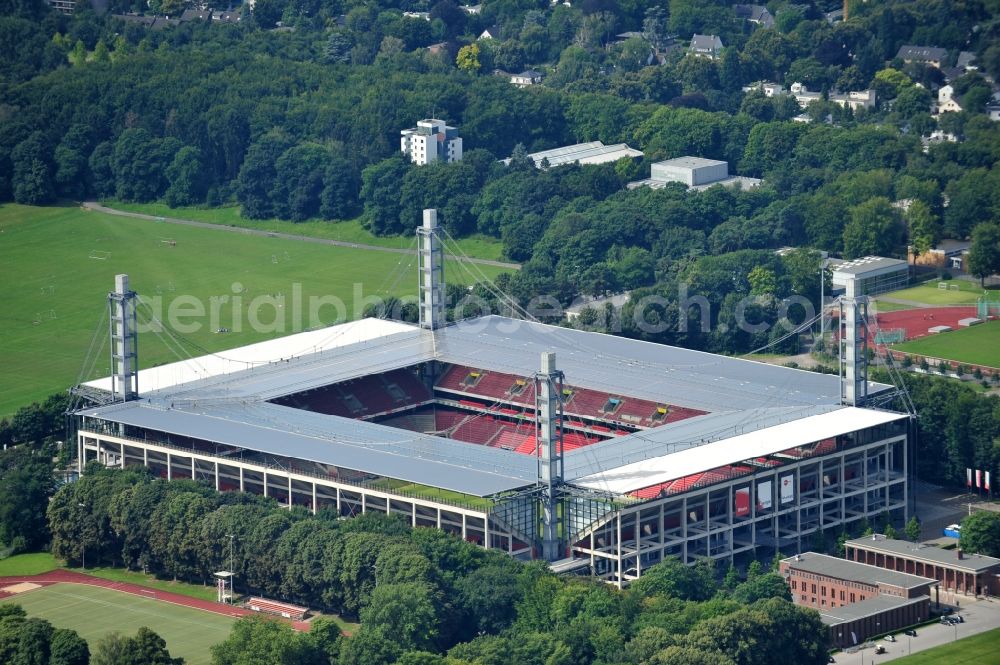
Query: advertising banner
(787,489)
(742,499)
(764,494)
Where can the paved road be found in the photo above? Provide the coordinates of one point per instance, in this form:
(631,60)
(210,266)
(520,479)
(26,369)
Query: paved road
(980,616)
(94,205)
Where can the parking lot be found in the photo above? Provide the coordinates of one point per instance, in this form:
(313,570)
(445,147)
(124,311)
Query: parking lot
(980,615)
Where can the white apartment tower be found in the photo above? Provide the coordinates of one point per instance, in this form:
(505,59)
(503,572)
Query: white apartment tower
(431,141)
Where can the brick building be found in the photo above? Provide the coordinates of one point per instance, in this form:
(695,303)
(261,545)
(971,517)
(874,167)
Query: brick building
(956,572)
(855,600)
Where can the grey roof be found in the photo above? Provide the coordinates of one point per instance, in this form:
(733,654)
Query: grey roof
(232,409)
(689,162)
(870,264)
(866,608)
(921,53)
(344,442)
(706,43)
(973,563)
(592,152)
(853,571)
(965,59)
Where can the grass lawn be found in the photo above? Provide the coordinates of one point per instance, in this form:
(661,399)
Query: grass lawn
(59,299)
(980,649)
(133,577)
(478,246)
(929,293)
(979,345)
(882,306)
(27,564)
(94,612)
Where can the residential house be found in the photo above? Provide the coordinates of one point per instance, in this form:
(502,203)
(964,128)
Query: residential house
(947,101)
(472,10)
(426,16)
(854,100)
(993,112)
(965,60)
(756,14)
(706,46)
(769,89)
(927,55)
(526,78)
(492,32)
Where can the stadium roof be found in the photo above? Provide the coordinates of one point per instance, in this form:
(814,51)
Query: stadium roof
(262,353)
(759,443)
(224,398)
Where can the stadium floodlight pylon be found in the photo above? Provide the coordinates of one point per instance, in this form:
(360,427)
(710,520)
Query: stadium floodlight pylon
(430,258)
(124,341)
(854,354)
(548,407)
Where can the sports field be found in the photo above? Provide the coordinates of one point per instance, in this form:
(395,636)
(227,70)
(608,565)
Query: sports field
(94,612)
(979,345)
(58,264)
(478,246)
(980,649)
(963,293)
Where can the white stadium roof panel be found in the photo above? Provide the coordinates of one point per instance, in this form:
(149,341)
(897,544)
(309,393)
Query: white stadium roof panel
(733,450)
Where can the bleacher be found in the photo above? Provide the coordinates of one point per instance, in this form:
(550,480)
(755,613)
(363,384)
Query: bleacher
(700,479)
(285,610)
(581,402)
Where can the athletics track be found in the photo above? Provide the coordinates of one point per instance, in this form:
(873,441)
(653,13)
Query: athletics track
(71,577)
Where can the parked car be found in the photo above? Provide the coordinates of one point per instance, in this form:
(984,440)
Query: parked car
(910,632)
(890,638)
(879,648)
(961,619)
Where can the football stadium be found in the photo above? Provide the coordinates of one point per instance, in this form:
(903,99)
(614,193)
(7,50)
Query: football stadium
(600,454)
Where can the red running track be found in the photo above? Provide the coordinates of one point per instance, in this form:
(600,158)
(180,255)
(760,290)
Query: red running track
(71,577)
(917,321)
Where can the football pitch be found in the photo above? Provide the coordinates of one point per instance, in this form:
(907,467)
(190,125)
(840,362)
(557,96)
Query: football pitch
(58,264)
(94,612)
(979,345)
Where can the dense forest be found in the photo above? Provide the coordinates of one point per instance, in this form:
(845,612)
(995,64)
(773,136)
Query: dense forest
(302,121)
(423,596)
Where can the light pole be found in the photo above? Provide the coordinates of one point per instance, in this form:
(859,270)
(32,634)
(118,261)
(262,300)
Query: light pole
(232,571)
(83,540)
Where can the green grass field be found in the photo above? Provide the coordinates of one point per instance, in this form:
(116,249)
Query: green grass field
(979,345)
(929,293)
(94,612)
(480,247)
(57,292)
(980,649)
(27,564)
(132,577)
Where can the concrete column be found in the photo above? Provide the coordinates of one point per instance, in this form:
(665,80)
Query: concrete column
(315,505)
(170,471)
(265,483)
(216,476)
(242,487)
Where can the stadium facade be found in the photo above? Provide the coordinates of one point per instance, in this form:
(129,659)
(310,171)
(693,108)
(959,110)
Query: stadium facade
(598,453)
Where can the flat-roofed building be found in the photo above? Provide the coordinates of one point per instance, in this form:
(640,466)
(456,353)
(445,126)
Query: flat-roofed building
(431,141)
(874,275)
(856,600)
(696,172)
(956,571)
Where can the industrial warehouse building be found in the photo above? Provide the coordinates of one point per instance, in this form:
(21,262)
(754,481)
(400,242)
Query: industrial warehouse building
(598,453)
